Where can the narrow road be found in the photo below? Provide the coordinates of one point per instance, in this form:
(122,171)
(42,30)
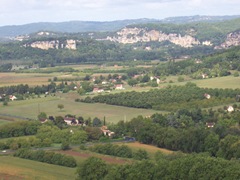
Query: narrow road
(13,116)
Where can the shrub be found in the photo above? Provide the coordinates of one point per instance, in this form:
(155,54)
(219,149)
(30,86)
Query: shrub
(180,79)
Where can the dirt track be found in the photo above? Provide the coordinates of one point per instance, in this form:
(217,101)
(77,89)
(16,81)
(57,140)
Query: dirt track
(10,177)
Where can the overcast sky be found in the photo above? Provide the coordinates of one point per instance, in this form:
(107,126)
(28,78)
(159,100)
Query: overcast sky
(15,12)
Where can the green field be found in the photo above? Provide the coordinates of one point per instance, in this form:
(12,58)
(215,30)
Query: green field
(31,108)
(16,168)
(3,122)
(219,82)
(151,150)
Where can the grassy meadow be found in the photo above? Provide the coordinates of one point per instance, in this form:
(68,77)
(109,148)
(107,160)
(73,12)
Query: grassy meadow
(2,121)
(18,169)
(151,150)
(218,82)
(31,108)
(224,82)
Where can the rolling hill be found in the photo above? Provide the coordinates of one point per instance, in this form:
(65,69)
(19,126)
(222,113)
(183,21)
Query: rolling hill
(94,26)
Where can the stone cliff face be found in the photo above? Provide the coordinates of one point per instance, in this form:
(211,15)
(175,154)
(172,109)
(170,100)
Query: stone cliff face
(45,45)
(54,44)
(71,44)
(134,35)
(233,39)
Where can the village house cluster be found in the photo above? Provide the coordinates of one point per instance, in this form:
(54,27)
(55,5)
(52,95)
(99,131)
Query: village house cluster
(10,97)
(72,121)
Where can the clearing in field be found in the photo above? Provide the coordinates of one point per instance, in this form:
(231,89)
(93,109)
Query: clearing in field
(16,168)
(149,148)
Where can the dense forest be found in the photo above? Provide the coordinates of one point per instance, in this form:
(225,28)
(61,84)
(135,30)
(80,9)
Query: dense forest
(214,65)
(214,151)
(187,131)
(90,51)
(169,167)
(215,32)
(92,48)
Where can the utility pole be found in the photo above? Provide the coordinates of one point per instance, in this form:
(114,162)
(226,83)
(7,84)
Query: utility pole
(38,108)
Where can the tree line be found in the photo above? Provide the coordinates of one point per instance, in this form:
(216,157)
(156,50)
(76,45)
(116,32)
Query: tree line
(20,128)
(170,98)
(187,131)
(53,131)
(217,64)
(46,157)
(119,151)
(163,167)
(88,50)
(23,91)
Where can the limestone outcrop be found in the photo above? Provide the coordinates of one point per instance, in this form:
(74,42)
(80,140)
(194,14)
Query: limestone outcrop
(233,39)
(54,44)
(45,45)
(134,35)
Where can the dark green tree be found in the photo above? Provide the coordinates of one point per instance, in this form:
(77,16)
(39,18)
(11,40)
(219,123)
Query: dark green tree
(42,115)
(60,106)
(65,145)
(92,169)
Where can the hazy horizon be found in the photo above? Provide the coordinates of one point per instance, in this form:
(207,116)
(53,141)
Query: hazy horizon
(19,12)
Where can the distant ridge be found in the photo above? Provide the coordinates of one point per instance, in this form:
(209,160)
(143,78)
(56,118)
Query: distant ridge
(69,27)
(197,18)
(95,26)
